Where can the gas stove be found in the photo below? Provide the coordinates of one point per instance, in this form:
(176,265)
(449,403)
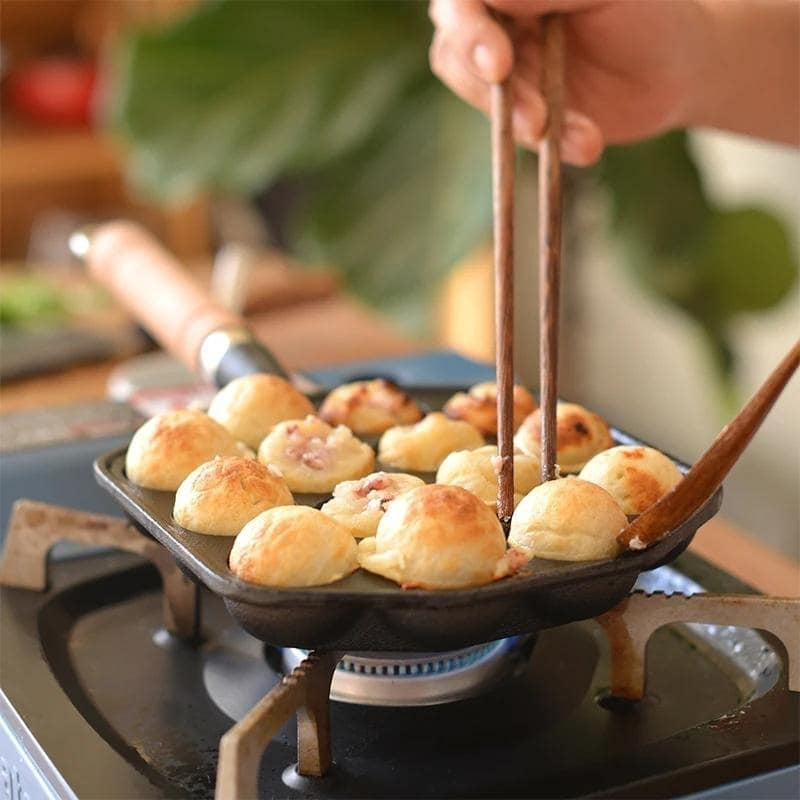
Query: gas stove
(100,700)
(114,688)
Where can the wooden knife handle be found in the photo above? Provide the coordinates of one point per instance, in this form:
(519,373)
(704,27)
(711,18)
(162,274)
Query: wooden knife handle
(155,288)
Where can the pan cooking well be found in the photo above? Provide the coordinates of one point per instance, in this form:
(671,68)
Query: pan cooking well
(366,612)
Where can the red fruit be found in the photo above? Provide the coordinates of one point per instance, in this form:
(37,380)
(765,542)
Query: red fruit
(54,91)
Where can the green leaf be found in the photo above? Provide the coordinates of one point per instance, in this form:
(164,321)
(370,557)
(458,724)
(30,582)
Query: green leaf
(240,92)
(712,263)
(399,213)
(656,191)
(747,263)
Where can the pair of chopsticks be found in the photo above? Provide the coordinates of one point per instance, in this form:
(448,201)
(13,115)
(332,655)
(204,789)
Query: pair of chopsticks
(549,261)
(708,472)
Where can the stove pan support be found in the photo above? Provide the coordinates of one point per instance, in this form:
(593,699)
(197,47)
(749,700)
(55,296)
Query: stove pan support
(630,624)
(35,527)
(305,690)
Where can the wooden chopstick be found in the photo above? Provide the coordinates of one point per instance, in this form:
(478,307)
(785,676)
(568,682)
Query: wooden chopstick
(550,237)
(501,101)
(708,472)
(503,202)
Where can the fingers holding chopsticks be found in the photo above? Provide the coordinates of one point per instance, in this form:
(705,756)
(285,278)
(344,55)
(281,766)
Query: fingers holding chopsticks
(480,42)
(471,49)
(529,113)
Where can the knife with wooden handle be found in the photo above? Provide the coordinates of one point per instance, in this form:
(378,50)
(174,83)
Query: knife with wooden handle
(177,312)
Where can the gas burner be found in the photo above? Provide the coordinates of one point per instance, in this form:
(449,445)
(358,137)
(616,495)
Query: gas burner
(420,679)
(239,670)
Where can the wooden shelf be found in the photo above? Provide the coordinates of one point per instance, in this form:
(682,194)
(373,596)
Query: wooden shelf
(34,157)
(81,171)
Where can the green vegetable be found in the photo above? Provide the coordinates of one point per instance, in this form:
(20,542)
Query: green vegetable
(28,301)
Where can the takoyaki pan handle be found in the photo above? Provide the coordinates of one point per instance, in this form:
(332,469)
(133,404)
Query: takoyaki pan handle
(180,314)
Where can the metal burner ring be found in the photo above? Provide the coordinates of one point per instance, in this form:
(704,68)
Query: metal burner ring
(417,679)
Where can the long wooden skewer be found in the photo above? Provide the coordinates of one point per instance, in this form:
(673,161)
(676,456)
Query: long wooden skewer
(708,472)
(503,202)
(550,237)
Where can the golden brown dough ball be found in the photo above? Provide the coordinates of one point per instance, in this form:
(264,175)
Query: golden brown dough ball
(313,456)
(169,446)
(580,434)
(249,406)
(293,546)
(438,537)
(479,406)
(475,471)
(567,519)
(423,446)
(369,407)
(221,496)
(359,505)
(636,476)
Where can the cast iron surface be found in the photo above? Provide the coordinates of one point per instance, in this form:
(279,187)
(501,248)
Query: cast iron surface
(122,710)
(367,612)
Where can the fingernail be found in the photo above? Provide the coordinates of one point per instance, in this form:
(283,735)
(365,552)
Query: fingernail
(529,113)
(579,139)
(570,149)
(578,148)
(575,121)
(483,61)
(523,129)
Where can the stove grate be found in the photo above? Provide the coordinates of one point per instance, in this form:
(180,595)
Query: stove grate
(35,527)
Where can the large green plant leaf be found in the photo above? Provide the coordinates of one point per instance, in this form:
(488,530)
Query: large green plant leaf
(657,192)
(396,169)
(240,92)
(747,263)
(397,214)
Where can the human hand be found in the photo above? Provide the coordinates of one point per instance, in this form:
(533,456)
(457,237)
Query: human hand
(630,64)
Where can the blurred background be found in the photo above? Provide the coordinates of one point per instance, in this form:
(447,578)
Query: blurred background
(312,137)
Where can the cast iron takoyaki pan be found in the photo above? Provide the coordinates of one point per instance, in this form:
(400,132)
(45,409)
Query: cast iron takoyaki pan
(365,612)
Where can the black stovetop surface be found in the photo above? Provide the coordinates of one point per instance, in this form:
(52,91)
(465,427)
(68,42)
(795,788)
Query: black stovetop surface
(124,710)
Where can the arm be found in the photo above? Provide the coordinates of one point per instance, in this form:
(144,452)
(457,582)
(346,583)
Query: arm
(749,81)
(635,68)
